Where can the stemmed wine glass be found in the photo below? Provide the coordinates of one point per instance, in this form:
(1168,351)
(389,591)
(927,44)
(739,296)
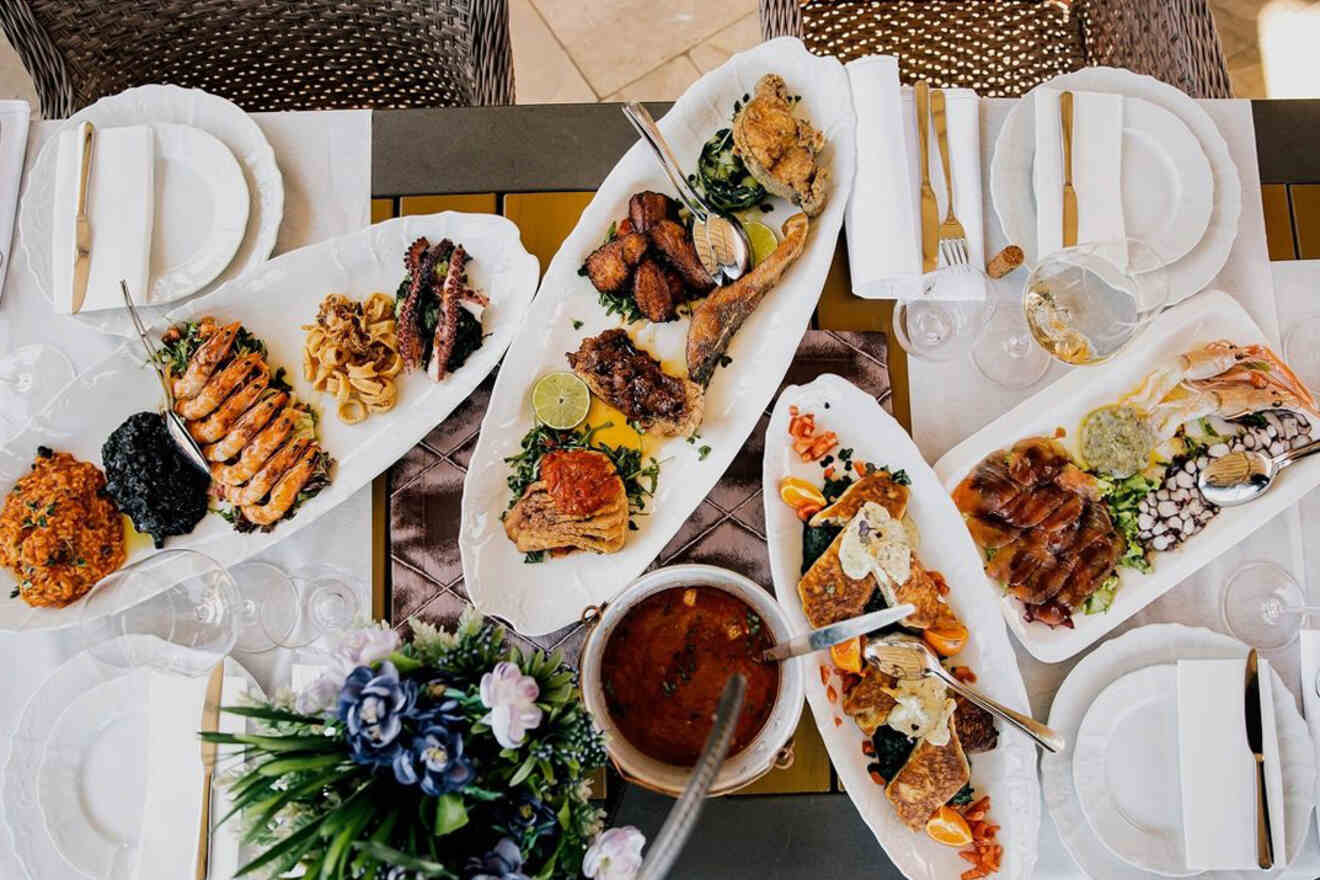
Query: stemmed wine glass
(180,608)
(278,609)
(329,604)
(1263,605)
(29,377)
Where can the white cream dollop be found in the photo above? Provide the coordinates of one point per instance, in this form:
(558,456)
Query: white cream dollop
(923,711)
(876,543)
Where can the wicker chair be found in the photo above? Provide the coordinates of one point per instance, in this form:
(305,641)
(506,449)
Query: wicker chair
(1003,48)
(268,54)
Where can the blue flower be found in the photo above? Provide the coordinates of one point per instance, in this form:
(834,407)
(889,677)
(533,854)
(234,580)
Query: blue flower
(436,760)
(372,707)
(504,862)
(526,817)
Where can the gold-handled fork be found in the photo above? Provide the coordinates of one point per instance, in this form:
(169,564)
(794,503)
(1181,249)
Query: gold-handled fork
(953,239)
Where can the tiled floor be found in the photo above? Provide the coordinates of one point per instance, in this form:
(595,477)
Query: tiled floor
(570,50)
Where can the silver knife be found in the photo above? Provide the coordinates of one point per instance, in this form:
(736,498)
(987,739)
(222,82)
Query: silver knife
(1255,741)
(839,632)
(82,255)
(683,816)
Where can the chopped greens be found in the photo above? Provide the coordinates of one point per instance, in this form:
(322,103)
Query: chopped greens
(723,178)
(1122,499)
(1099,601)
(891,752)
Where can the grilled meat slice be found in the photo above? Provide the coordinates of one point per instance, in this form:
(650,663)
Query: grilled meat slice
(633,382)
(610,266)
(780,149)
(647,208)
(652,293)
(717,318)
(420,260)
(976,727)
(446,326)
(579,503)
(674,242)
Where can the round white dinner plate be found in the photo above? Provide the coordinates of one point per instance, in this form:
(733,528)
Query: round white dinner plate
(1011,176)
(95,825)
(1125,768)
(200,214)
(1168,187)
(1134,650)
(142,105)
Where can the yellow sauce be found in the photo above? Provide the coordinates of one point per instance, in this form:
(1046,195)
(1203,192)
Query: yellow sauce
(619,433)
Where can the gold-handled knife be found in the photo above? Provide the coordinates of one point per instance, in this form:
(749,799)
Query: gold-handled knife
(82,229)
(1256,742)
(210,724)
(930,214)
(1069,193)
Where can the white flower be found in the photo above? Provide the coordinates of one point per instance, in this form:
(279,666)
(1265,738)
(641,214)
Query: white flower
(615,854)
(362,646)
(319,695)
(511,698)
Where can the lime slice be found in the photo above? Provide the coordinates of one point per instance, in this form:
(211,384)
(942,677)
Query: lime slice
(762,239)
(561,400)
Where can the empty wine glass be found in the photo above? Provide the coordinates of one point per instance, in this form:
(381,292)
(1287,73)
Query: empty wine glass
(1263,606)
(29,377)
(1005,352)
(942,322)
(180,607)
(269,606)
(329,604)
(1301,351)
(1084,304)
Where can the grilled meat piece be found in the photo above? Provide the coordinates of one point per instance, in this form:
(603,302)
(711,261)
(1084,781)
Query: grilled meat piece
(610,266)
(717,318)
(420,260)
(1053,541)
(674,242)
(633,382)
(647,208)
(779,149)
(976,727)
(652,293)
(579,503)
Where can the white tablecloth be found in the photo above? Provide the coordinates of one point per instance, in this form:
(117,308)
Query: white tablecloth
(325,159)
(951,401)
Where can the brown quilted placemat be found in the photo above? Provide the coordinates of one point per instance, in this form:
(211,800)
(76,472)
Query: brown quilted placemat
(727,529)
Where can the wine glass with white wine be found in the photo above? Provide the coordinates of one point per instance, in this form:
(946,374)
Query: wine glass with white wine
(1084,304)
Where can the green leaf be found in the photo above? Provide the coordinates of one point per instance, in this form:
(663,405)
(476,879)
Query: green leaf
(279,743)
(267,713)
(565,814)
(275,804)
(392,856)
(404,663)
(450,814)
(297,764)
(523,772)
(364,859)
(337,853)
(300,838)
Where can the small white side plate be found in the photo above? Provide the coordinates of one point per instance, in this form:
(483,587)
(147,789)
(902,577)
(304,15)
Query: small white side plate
(1125,768)
(1168,188)
(201,211)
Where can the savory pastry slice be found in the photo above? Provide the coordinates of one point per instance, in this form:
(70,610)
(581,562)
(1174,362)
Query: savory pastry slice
(877,486)
(717,318)
(578,503)
(610,266)
(632,381)
(868,701)
(779,149)
(828,594)
(931,775)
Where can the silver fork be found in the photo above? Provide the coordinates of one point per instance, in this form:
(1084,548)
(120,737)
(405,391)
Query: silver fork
(173,423)
(953,239)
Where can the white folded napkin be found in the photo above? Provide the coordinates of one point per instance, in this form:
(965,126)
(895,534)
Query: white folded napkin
(1311,675)
(120,207)
(884,212)
(1216,769)
(14,116)
(171,819)
(1097,168)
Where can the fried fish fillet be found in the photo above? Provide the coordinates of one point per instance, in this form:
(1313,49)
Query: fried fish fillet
(779,149)
(828,594)
(877,486)
(717,318)
(868,701)
(931,776)
(536,523)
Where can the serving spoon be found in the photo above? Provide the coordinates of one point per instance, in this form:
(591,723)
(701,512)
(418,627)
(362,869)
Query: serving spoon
(173,422)
(720,241)
(1245,475)
(905,657)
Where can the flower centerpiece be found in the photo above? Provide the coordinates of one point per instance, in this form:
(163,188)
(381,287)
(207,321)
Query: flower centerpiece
(451,755)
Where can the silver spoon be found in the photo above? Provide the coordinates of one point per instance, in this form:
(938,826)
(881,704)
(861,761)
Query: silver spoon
(904,656)
(682,817)
(1243,476)
(721,243)
(173,423)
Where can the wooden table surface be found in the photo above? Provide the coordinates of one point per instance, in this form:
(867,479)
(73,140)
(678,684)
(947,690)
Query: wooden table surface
(539,165)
